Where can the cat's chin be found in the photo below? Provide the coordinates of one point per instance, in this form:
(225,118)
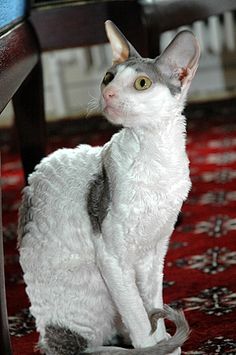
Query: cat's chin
(113,115)
(111,111)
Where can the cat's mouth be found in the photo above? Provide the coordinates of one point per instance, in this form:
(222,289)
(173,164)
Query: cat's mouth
(111,110)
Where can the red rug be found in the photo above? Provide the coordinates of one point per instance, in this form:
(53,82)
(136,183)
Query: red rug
(200,269)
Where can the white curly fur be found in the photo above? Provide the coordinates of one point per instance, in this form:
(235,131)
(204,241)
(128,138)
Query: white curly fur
(86,281)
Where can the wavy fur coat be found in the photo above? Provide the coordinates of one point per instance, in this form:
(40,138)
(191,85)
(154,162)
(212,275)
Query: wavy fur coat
(95,223)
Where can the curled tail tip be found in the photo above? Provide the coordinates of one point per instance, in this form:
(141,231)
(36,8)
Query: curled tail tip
(177,317)
(182,327)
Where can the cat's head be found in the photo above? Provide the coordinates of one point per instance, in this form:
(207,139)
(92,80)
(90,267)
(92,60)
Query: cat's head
(138,91)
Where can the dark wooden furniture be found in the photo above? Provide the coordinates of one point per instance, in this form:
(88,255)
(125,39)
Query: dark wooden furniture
(72,24)
(21,80)
(82,23)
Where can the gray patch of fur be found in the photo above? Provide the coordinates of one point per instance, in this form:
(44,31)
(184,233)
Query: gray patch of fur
(163,347)
(150,67)
(62,341)
(174,89)
(98,200)
(25,215)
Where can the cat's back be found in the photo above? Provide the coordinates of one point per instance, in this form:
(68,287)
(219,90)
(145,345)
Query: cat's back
(64,170)
(56,192)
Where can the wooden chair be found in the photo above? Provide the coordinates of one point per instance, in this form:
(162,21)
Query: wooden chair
(48,25)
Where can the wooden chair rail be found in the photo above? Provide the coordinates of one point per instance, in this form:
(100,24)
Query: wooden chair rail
(170,14)
(83,24)
(19,71)
(18,55)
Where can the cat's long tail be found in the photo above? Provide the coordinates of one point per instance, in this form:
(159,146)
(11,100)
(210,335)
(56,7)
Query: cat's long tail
(163,347)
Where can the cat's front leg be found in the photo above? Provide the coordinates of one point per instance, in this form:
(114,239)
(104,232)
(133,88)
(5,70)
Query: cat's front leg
(149,276)
(150,287)
(120,280)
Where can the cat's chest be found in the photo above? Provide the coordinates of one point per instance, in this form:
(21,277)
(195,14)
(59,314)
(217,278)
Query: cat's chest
(147,188)
(142,168)
(144,176)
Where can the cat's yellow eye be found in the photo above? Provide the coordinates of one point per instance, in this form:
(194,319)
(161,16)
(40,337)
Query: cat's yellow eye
(108,78)
(142,83)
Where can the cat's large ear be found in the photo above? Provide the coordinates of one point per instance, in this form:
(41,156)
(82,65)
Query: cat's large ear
(179,61)
(121,48)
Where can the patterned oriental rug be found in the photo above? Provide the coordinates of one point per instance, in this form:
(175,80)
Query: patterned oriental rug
(200,268)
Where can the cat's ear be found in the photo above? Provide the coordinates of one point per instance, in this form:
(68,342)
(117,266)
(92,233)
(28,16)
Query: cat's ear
(121,48)
(179,61)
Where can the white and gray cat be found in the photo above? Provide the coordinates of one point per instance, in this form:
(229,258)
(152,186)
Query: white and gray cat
(95,223)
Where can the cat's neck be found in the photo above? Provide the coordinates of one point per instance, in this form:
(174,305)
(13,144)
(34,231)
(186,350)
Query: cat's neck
(164,142)
(167,132)
(158,153)
(159,120)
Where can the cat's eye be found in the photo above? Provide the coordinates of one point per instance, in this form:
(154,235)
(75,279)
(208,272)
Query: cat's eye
(142,83)
(108,78)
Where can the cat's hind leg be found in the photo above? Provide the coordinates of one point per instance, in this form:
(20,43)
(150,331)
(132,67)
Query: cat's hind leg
(61,341)
(71,306)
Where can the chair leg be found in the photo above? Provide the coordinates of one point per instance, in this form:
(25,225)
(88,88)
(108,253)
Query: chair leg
(153,39)
(5,344)
(153,44)
(28,104)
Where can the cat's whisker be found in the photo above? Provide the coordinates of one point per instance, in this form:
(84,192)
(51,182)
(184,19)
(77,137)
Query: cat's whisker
(92,97)
(93,106)
(125,107)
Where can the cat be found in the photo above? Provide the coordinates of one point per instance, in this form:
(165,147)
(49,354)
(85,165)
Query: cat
(95,222)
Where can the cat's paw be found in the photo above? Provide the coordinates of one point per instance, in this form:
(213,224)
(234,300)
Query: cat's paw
(156,317)
(176,352)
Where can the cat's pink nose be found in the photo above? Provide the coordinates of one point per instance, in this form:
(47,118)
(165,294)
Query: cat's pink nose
(108,94)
